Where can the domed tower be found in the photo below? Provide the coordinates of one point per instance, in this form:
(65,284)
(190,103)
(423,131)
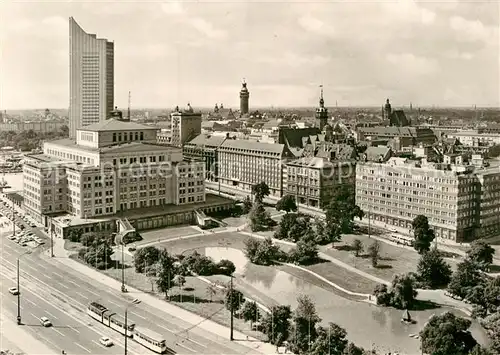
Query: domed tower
(387,110)
(244,96)
(117,115)
(321,112)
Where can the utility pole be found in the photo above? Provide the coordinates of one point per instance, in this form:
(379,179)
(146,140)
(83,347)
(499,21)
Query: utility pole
(51,239)
(18,296)
(231,335)
(128,111)
(126,330)
(13,219)
(123,268)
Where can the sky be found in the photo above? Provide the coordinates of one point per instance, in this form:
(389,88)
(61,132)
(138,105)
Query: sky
(170,53)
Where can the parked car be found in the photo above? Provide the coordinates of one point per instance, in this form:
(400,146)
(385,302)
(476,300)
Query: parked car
(106,341)
(14,291)
(45,321)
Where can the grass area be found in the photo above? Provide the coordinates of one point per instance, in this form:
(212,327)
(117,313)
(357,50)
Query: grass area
(394,260)
(166,233)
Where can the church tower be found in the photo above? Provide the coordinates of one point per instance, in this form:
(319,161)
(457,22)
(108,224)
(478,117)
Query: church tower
(387,110)
(321,112)
(244,96)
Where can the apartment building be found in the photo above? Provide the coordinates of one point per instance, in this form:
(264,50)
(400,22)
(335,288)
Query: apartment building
(312,180)
(460,201)
(243,164)
(474,138)
(112,167)
(206,148)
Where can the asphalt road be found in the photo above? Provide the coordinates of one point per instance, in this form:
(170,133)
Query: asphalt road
(66,294)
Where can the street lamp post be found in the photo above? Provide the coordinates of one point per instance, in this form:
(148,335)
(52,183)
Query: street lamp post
(136,301)
(123,267)
(231,335)
(18,288)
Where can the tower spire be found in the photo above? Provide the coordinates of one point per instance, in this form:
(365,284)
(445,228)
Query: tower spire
(321,101)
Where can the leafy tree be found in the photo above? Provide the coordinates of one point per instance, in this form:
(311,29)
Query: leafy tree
(495,336)
(352,349)
(262,252)
(260,191)
(479,350)
(332,340)
(226,267)
(305,252)
(287,203)
(492,295)
(165,272)
(321,236)
(151,272)
(276,324)
(481,253)
(204,266)
(383,295)
(259,217)
(423,234)
(145,256)
(292,227)
(374,252)
(340,213)
(464,278)
(179,280)
(403,291)
(250,312)
(99,254)
(432,270)
(75,235)
(247,205)
(357,247)
(212,291)
(87,239)
(447,334)
(234,299)
(305,318)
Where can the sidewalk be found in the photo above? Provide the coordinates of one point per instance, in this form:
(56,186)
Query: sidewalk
(13,334)
(207,325)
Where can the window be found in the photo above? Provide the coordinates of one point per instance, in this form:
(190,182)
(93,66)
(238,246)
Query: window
(142,136)
(136,136)
(119,137)
(131,136)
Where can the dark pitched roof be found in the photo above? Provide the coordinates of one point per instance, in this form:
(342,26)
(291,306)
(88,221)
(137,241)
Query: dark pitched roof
(294,137)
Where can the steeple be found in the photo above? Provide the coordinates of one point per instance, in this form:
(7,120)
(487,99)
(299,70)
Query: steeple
(321,101)
(321,112)
(244,97)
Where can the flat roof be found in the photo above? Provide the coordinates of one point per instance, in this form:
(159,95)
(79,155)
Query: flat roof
(119,147)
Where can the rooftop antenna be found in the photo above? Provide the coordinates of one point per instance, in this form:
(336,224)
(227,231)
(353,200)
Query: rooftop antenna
(128,111)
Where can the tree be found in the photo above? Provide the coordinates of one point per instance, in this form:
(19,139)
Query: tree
(75,235)
(321,235)
(260,190)
(179,280)
(204,266)
(99,254)
(332,340)
(247,205)
(165,273)
(340,212)
(251,247)
(383,295)
(145,256)
(403,291)
(259,217)
(262,252)
(481,253)
(234,299)
(422,233)
(479,350)
(250,312)
(211,291)
(305,318)
(151,272)
(352,349)
(276,324)
(88,239)
(305,252)
(464,278)
(432,270)
(226,267)
(374,252)
(357,247)
(495,336)
(492,295)
(292,227)
(287,203)
(447,334)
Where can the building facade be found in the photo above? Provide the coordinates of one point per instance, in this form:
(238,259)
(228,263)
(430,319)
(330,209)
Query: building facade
(35,126)
(243,164)
(313,180)
(91,78)
(112,167)
(185,125)
(205,148)
(461,202)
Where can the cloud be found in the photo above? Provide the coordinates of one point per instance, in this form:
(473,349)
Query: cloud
(410,11)
(206,28)
(172,8)
(294,60)
(411,63)
(454,54)
(313,24)
(471,30)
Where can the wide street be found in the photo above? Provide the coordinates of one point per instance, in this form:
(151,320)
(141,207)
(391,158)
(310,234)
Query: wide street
(63,295)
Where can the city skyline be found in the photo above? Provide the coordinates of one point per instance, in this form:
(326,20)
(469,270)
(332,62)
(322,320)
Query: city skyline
(443,54)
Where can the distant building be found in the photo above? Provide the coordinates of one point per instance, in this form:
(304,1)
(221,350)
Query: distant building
(35,126)
(185,125)
(205,148)
(244,98)
(406,136)
(396,118)
(321,113)
(91,78)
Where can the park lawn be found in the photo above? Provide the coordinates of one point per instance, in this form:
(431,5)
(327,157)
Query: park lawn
(166,233)
(394,260)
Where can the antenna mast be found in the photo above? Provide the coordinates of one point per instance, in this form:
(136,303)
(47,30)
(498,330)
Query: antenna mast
(128,111)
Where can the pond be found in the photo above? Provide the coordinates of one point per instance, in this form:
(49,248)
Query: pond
(367,325)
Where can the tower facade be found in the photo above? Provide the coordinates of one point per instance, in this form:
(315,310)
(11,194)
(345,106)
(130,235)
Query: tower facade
(244,97)
(91,78)
(321,112)
(387,110)
(185,125)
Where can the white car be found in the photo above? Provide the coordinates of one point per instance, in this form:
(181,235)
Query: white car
(106,341)
(45,321)
(14,291)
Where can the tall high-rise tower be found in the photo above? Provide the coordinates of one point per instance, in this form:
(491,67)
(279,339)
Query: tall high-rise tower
(91,78)
(321,112)
(244,96)
(387,110)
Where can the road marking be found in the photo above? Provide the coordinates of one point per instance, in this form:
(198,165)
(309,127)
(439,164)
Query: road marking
(95,342)
(194,341)
(16,304)
(168,330)
(34,315)
(63,285)
(33,303)
(53,316)
(74,283)
(87,350)
(93,293)
(54,329)
(186,347)
(48,341)
(116,304)
(74,329)
(136,315)
(81,294)
(55,273)
(6,252)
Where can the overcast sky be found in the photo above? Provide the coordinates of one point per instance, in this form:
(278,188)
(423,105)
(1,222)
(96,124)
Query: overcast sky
(442,53)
